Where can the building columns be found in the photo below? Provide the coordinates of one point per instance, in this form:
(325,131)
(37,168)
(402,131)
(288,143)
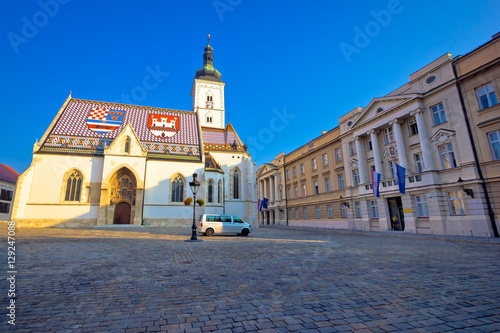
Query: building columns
(376,151)
(424,139)
(361,161)
(400,143)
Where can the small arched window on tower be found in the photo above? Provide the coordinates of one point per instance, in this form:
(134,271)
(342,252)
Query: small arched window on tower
(210,191)
(210,100)
(127,145)
(73,186)
(236,184)
(209,119)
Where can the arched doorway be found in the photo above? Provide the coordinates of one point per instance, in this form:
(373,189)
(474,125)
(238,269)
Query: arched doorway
(123,191)
(122,213)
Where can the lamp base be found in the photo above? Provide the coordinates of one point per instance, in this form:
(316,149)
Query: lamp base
(194,240)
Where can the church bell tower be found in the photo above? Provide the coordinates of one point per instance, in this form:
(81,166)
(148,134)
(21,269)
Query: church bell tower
(208,92)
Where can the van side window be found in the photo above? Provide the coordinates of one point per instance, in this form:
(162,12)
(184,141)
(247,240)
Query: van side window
(237,219)
(217,219)
(226,218)
(210,218)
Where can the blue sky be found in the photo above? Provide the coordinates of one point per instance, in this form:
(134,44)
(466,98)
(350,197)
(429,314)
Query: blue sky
(279,57)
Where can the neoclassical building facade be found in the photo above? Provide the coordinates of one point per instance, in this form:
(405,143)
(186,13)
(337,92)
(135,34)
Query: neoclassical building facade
(102,163)
(420,126)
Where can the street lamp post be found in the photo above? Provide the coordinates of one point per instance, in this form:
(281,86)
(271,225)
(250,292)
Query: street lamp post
(195,185)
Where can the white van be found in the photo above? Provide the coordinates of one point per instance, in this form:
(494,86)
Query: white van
(223,224)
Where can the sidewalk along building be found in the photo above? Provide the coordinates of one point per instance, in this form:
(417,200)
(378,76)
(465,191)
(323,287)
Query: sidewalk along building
(8,180)
(419,128)
(102,163)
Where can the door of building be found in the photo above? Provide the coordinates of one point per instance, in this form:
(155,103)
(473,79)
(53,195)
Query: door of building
(122,213)
(396,214)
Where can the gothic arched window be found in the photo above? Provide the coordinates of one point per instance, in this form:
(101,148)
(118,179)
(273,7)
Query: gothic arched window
(73,186)
(127,145)
(219,192)
(210,196)
(236,184)
(178,189)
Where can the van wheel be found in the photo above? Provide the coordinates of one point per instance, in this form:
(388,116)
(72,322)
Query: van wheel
(244,232)
(209,232)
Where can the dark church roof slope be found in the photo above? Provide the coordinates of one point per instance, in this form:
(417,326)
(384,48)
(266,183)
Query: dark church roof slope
(211,164)
(87,127)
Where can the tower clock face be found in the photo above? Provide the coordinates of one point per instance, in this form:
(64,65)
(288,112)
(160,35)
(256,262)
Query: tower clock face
(210,105)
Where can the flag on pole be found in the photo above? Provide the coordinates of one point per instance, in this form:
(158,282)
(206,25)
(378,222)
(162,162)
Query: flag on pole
(376,183)
(259,206)
(264,203)
(401,178)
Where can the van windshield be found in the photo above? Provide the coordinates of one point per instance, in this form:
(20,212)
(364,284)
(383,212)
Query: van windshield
(236,219)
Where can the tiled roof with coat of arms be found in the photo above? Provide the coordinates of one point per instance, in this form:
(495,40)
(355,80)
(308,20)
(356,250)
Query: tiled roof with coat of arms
(86,126)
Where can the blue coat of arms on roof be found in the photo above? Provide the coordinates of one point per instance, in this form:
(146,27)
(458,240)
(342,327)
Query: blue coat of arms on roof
(104,120)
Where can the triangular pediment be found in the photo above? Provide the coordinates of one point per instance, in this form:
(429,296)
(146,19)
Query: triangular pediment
(118,145)
(442,136)
(381,106)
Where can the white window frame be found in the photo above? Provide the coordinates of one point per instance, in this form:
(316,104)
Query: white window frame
(438,114)
(489,93)
(352,148)
(295,171)
(325,159)
(456,203)
(318,213)
(393,169)
(343,210)
(357,207)
(297,217)
(304,190)
(314,165)
(338,155)
(316,187)
(302,169)
(421,204)
(374,209)
(389,135)
(289,190)
(419,162)
(330,211)
(296,190)
(340,179)
(412,126)
(327,184)
(288,174)
(305,213)
(355,177)
(495,143)
(447,155)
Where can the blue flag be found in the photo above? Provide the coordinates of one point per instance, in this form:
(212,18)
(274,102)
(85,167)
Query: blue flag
(264,203)
(401,178)
(376,183)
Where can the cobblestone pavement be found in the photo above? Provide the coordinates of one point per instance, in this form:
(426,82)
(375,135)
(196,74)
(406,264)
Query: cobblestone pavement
(275,280)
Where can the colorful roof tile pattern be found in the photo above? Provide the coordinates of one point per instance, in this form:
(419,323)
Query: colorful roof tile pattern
(221,139)
(72,132)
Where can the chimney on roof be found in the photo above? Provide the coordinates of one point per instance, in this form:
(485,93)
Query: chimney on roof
(324,132)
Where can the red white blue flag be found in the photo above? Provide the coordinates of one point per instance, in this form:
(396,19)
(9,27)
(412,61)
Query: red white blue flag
(104,120)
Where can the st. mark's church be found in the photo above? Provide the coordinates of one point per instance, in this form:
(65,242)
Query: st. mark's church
(102,163)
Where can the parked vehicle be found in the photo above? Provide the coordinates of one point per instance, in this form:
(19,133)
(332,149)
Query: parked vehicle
(223,224)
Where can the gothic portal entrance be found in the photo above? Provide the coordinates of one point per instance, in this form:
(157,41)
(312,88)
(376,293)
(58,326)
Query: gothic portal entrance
(123,187)
(122,213)
(396,214)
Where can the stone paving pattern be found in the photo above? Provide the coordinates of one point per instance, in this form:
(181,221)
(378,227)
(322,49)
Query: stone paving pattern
(275,280)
